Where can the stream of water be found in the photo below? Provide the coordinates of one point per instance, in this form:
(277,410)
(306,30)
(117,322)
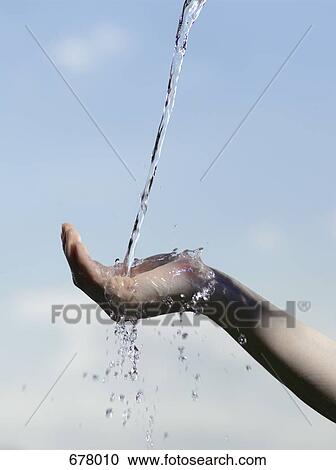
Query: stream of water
(191,10)
(126,364)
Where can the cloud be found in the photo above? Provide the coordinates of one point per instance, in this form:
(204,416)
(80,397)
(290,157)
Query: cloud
(81,53)
(235,406)
(265,236)
(35,305)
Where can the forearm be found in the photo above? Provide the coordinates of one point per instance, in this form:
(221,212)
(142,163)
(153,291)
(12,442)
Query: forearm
(297,355)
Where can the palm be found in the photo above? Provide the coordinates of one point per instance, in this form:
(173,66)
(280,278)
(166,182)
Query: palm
(150,282)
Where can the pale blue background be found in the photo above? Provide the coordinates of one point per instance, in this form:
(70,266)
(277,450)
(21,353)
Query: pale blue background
(266,213)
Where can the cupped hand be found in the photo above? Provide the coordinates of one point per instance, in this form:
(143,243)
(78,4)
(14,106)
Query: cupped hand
(153,286)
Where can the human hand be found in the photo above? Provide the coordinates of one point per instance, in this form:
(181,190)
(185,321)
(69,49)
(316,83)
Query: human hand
(154,285)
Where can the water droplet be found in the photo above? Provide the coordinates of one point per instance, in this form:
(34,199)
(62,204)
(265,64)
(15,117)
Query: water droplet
(126,416)
(165,435)
(121,397)
(95,377)
(197,377)
(117,260)
(133,336)
(109,413)
(242,340)
(133,373)
(84,375)
(139,396)
(194,395)
(112,396)
(184,335)
(181,356)
(168,301)
(248,367)
(149,438)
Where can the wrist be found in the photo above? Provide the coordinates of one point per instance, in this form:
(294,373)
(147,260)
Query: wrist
(232,305)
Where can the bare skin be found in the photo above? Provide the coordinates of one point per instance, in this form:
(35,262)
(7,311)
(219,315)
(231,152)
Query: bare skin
(152,281)
(295,354)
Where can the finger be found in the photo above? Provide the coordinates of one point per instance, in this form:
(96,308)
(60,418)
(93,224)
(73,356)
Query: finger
(74,250)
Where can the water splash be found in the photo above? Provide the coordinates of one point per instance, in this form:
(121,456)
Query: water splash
(126,332)
(190,12)
(242,340)
(109,413)
(149,432)
(181,357)
(139,396)
(126,416)
(194,395)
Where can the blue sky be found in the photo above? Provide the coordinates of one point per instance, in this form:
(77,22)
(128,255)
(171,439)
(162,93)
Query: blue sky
(265,213)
